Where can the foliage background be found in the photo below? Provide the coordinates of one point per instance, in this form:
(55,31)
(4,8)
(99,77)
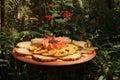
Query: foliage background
(96,20)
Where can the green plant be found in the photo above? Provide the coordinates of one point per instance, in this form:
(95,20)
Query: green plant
(9,67)
(96,20)
(59,18)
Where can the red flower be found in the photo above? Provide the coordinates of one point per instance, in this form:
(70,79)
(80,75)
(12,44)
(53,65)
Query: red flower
(73,19)
(82,35)
(50,5)
(83,29)
(48,17)
(66,14)
(60,13)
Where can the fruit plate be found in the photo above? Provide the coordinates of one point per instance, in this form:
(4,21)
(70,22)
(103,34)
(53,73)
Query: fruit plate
(54,63)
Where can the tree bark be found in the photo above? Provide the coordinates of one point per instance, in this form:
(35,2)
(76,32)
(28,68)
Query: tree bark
(2,27)
(110,4)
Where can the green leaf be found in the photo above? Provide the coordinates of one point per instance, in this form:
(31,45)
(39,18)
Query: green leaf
(34,32)
(101,78)
(55,15)
(69,4)
(60,20)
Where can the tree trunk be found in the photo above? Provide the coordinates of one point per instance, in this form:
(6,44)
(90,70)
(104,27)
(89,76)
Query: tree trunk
(2,27)
(110,4)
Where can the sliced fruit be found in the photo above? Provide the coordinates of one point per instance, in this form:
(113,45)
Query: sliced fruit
(43,58)
(22,51)
(24,44)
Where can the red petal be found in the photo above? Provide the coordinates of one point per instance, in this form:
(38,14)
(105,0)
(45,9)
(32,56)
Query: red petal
(51,46)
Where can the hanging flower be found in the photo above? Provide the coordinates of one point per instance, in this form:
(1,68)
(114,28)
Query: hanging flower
(61,13)
(48,17)
(50,5)
(66,15)
(83,34)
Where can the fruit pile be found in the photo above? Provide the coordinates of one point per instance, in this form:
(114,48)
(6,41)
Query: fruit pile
(53,49)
